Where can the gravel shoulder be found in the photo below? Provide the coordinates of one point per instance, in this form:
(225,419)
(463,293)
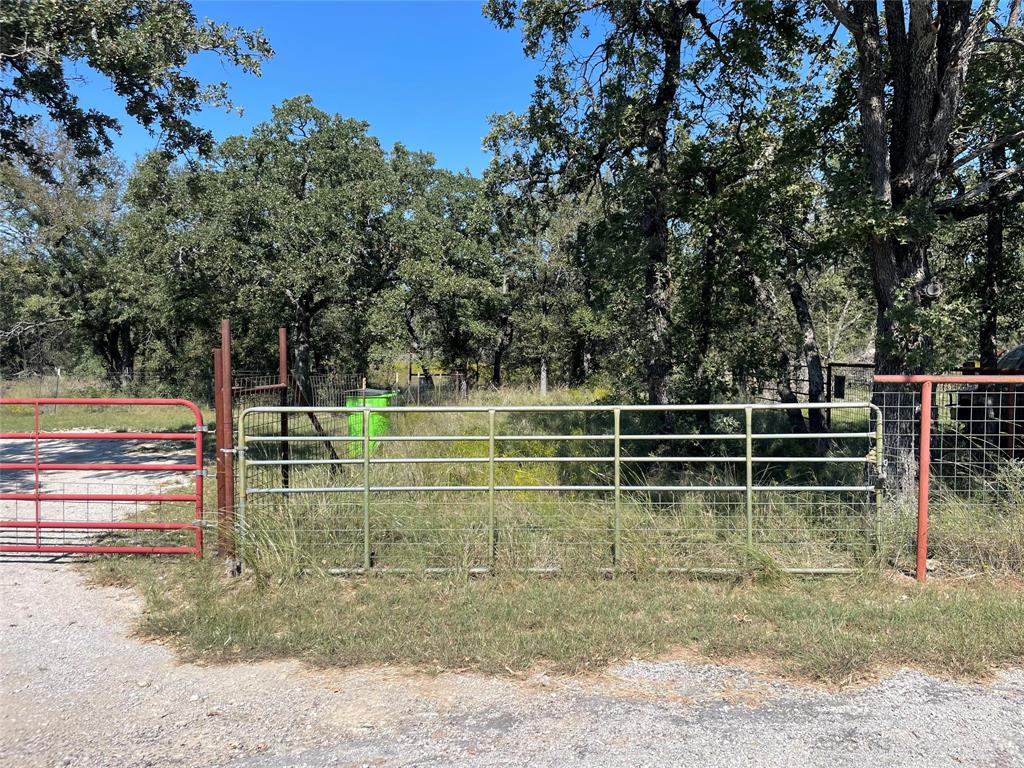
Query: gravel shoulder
(76,689)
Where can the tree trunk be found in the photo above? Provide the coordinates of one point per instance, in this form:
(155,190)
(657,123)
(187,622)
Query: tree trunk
(579,361)
(545,312)
(580,358)
(118,350)
(896,265)
(304,351)
(128,353)
(499,354)
(784,380)
(710,253)
(994,275)
(815,376)
(905,146)
(417,348)
(654,220)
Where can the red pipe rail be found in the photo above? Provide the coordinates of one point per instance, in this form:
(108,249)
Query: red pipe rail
(38,524)
(925,446)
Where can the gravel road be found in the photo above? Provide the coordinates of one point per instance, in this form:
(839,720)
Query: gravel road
(76,689)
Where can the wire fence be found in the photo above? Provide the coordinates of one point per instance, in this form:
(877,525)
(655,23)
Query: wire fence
(431,502)
(558,488)
(972,465)
(436,389)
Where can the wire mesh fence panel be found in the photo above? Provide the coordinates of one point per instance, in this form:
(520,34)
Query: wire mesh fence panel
(332,389)
(976,509)
(973,511)
(849,382)
(557,488)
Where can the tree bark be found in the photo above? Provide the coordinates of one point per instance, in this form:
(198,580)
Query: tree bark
(710,253)
(994,274)
(784,375)
(504,341)
(928,61)
(116,345)
(580,357)
(417,347)
(815,375)
(304,349)
(654,219)
(545,311)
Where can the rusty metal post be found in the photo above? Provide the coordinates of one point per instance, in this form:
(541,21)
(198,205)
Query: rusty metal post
(226,523)
(924,471)
(282,380)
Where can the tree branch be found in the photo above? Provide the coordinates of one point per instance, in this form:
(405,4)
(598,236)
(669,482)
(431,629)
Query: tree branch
(999,141)
(844,17)
(1002,39)
(980,199)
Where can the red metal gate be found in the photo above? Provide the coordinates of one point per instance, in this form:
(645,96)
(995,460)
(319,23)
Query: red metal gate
(71,515)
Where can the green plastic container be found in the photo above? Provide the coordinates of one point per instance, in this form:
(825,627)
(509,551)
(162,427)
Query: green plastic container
(367,398)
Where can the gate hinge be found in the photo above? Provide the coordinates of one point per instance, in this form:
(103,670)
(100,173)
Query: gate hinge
(871,458)
(201,428)
(200,473)
(233,451)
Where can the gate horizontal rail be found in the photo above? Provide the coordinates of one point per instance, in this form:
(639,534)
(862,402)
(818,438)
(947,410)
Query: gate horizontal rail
(623,479)
(38,496)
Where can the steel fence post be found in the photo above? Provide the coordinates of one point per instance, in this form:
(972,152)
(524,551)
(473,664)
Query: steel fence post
(923,477)
(616,541)
(491,540)
(879,471)
(239,522)
(366,488)
(199,488)
(227,416)
(282,380)
(828,394)
(748,414)
(218,443)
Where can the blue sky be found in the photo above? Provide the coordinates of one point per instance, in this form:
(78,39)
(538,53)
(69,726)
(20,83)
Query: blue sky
(424,73)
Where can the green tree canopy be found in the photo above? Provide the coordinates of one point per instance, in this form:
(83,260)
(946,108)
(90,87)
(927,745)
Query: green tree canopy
(140,46)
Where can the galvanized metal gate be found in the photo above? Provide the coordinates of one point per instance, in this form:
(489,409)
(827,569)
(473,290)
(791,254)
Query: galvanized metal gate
(681,487)
(60,497)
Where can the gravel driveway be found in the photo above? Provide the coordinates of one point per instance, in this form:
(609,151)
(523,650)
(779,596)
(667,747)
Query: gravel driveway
(85,481)
(78,690)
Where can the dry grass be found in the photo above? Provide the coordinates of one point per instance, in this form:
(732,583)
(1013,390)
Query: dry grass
(827,630)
